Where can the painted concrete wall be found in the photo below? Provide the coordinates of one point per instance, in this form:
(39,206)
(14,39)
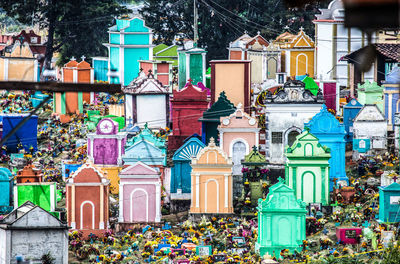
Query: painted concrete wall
(229,77)
(139,200)
(285,118)
(151,109)
(33,244)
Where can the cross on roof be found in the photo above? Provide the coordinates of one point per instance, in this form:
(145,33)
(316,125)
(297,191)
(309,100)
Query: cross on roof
(190,80)
(73,58)
(301,28)
(83,57)
(395,178)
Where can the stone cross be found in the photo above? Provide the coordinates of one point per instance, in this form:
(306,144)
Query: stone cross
(83,57)
(301,28)
(73,58)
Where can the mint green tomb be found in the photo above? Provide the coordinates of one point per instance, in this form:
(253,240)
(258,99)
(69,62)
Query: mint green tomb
(192,65)
(370,93)
(281,221)
(307,169)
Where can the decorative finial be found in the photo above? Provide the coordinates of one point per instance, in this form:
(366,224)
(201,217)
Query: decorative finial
(245,32)
(286,27)
(73,58)
(212,142)
(190,80)
(255,148)
(301,28)
(239,106)
(258,32)
(83,57)
(281,180)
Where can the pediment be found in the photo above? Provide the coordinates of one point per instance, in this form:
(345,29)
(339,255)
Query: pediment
(139,168)
(143,148)
(369,113)
(37,217)
(189,150)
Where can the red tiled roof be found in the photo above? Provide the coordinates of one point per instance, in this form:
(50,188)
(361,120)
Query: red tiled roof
(389,50)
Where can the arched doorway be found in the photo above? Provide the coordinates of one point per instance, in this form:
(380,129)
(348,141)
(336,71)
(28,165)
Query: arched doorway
(238,153)
(308,187)
(87,215)
(292,137)
(139,205)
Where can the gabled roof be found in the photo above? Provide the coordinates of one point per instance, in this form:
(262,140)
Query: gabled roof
(395,186)
(211,148)
(139,168)
(301,41)
(145,84)
(324,122)
(286,203)
(389,51)
(148,135)
(222,107)
(166,51)
(245,40)
(299,145)
(190,93)
(254,157)
(20,217)
(252,122)
(353,103)
(370,87)
(88,173)
(369,113)
(189,149)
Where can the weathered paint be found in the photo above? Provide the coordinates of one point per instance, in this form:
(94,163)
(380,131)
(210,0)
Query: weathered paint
(211,182)
(281,221)
(308,169)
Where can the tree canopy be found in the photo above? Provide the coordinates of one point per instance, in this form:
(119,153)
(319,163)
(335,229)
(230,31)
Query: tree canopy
(221,22)
(75,28)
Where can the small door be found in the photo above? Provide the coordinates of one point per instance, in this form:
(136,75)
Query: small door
(238,153)
(87,215)
(308,187)
(211,197)
(285,232)
(292,137)
(99,154)
(139,206)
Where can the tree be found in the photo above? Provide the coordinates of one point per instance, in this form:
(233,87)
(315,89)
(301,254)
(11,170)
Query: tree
(221,22)
(74,27)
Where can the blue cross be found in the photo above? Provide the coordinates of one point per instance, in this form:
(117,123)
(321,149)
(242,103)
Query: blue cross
(325,231)
(164,240)
(210,235)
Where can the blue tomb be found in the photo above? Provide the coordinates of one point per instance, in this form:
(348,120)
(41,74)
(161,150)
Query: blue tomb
(6,190)
(350,111)
(181,171)
(331,133)
(389,203)
(392,96)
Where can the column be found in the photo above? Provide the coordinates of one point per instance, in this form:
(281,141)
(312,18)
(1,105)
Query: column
(226,176)
(101,223)
(197,190)
(323,186)
(221,139)
(158,202)
(203,55)
(121,203)
(5,70)
(73,223)
(294,178)
(52,197)
(187,67)
(119,146)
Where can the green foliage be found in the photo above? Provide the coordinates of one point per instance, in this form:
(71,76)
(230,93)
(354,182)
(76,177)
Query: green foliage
(391,255)
(221,22)
(75,28)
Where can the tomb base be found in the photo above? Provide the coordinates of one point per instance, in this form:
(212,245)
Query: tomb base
(136,227)
(274,250)
(199,216)
(180,205)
